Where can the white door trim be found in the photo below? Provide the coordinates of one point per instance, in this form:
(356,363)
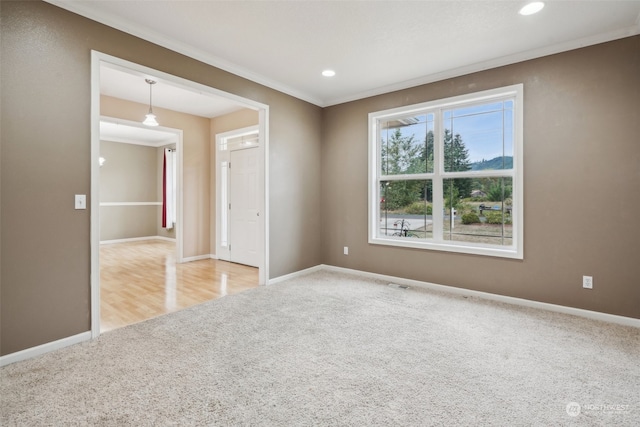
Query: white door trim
(263,110)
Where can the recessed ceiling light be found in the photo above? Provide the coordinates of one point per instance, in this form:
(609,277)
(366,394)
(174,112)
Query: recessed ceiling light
(328,73)
(531,8)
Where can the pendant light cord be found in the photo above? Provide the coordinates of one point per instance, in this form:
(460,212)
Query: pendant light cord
(151,83)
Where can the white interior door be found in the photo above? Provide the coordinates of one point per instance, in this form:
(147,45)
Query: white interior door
(243,207)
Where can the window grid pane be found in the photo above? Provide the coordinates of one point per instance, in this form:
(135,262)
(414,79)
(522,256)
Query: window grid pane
(406,209)
(406,145)
(478,137)
(485,218)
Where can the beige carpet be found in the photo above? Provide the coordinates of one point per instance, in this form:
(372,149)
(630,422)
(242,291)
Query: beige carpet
(333,349)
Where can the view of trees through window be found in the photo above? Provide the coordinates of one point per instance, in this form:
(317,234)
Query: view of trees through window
(476,141)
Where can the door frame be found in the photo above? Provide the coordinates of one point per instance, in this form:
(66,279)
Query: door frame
(263,119)
(221,251)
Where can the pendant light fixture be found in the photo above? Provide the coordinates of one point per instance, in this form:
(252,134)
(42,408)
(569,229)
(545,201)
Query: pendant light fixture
(150,119)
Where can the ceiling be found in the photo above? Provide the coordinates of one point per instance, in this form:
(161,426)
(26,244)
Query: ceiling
(124,83)
(374,46)
(128,84)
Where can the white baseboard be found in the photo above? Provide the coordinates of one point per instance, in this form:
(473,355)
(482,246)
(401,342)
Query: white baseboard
(44,348)
(137,239)
(296,274)
(213,256)
(196,258)
(595,315)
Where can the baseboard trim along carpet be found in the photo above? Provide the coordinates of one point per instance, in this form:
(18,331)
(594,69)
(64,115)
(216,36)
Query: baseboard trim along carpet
(604,317)
(595,315)
(333,348)
(298,274)
(44,348)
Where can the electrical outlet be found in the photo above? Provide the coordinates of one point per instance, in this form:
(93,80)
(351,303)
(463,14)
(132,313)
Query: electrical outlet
(587,282)
(346,250)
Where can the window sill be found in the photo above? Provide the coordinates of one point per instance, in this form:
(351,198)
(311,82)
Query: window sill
(455,247)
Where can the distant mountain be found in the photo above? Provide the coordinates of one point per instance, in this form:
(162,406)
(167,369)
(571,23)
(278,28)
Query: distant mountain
(495,163)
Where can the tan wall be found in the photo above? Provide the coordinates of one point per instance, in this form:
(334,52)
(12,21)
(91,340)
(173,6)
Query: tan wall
(228,122)
(195,171)
(45,133)
(581,178)
(126,222)
(130,174)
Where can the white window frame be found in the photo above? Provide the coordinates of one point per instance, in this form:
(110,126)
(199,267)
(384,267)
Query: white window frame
(439,175)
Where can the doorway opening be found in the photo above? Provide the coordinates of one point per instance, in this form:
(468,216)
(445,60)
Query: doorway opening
(190,243)
(136,186)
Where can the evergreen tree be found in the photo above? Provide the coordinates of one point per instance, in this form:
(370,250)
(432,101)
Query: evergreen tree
(456,159)
(401,155)
(426,158)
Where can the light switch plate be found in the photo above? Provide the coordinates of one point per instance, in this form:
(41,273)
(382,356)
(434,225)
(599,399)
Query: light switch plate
(81,201)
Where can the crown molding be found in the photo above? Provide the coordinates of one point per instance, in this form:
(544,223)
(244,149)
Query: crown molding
(85,10)
(118,23)
(494,63)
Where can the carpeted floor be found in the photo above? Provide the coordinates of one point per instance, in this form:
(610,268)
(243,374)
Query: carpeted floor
(334,349)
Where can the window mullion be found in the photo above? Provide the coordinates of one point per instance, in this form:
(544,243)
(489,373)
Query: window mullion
(496,173)
(375,172)
(409,177)
(438,156)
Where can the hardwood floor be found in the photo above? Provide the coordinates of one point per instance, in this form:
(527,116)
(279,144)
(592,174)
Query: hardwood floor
(141,280)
